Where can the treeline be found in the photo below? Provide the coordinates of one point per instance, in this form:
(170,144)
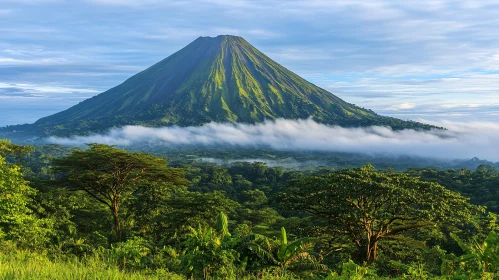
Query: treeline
(104,212)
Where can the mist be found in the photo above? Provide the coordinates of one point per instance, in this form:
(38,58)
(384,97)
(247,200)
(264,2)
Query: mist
(461,140)
(290,163)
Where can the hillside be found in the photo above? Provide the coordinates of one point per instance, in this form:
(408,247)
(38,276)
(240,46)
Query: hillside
(220,79)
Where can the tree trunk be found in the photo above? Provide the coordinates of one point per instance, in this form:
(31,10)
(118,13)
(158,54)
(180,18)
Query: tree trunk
(115,208)
(368,250)
(371,250)
(375,250)
(372,254)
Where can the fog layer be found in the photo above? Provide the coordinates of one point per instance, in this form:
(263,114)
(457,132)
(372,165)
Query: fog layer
(460,140)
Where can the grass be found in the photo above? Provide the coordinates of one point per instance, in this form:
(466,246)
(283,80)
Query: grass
(27,265)
(33,266)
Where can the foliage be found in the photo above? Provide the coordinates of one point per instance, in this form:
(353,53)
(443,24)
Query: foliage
(284,224)
(369,207)
(208,253)
(295,256)
(18,151)
(175,215)
(352,271)
(17,221)
(110,175)
(481,185)
(480,259)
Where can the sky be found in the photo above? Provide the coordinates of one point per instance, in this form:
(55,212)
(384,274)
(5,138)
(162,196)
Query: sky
(421,60)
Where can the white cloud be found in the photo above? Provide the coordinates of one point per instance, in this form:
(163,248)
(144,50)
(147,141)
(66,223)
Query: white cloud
(7,61)
(5,11)
(31,2)
(460,94)
(462,140)
(472,105)
(43,90)
(404,106)
(297,53)
(262,33)
(125,2)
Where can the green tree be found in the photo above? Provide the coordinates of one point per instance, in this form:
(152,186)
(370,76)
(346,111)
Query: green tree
(480,186)
(184,210)
(17,151)
(14,196)
(17,221)
(368,206)
(111,175)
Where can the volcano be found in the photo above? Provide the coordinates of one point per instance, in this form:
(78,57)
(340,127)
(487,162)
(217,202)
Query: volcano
(213,79)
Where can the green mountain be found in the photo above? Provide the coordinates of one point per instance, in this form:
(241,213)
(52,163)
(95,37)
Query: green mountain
(221,79)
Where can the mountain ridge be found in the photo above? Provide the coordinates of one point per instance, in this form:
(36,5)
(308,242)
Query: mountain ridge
(220,79)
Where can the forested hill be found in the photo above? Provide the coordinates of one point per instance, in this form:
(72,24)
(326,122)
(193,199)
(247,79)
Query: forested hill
(221,79)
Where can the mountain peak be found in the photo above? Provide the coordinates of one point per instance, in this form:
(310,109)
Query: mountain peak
(221,79)
(221,37)
(220,40)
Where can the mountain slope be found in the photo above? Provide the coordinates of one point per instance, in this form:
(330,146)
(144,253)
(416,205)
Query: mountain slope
(221,79)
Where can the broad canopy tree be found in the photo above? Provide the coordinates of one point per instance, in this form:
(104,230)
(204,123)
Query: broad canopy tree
(111,175)
(368,206)
(8,149)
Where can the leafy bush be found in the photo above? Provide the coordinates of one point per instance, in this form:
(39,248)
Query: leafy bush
(480,259)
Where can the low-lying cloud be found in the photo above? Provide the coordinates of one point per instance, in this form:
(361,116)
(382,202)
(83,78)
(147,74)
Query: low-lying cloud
(285,162)
(460,140)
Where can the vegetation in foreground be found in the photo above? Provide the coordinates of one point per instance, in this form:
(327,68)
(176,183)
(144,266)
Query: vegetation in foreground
(105,213)
(21,264)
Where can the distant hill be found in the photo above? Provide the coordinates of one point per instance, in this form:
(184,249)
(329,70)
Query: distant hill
(220,79)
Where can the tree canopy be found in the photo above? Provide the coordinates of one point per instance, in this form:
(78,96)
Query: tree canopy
(239,220)
(369,206)
(111,175)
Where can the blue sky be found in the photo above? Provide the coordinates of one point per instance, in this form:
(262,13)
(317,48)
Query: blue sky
(430,60)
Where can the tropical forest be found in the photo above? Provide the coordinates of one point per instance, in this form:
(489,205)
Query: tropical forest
(101,212)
